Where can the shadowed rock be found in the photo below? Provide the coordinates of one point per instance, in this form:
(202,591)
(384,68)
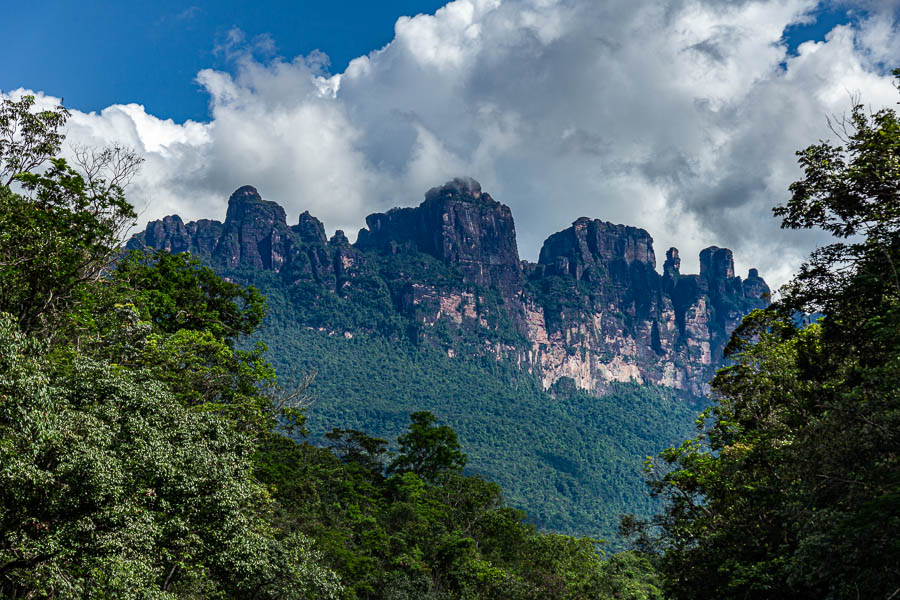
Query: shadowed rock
(459,225)
(594,309)
(255,234)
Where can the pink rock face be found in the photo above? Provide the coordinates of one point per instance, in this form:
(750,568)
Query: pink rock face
(593,309)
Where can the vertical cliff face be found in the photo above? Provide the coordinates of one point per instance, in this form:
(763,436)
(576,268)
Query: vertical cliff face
(255,234)
(754,286)
(591,244)
(309,259)
(616,264)
(173,235)
(592,310)
(624,321)
(459,225)
(169,234)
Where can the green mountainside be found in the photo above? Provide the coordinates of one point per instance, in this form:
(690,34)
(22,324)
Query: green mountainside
(144,435)
(560,377)
(572,461)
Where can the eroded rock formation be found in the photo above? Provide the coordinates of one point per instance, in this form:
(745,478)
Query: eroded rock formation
(593,309)
(459,225)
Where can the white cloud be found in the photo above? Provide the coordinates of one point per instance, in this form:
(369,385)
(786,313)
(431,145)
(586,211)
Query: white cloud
(681,117)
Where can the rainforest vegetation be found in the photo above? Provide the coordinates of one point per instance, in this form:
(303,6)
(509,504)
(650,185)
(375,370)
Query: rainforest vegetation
(573,463)
(792,488)
(149,450)
(144,441)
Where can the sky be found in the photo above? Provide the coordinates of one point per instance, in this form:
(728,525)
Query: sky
(678,116)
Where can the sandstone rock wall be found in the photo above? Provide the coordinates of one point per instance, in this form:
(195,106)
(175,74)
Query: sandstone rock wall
(593,309)
(459,225)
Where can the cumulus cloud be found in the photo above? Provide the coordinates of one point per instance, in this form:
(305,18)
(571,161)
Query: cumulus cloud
(678,116)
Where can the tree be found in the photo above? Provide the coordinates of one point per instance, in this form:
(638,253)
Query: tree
(129,412)
(112,488)
(428,450)
(792,488)
(177,292)
(356,448)
(171,315)
(28,138)
(61,233)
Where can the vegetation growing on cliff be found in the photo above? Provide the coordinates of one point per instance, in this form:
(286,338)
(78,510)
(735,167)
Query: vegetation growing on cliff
(141,453)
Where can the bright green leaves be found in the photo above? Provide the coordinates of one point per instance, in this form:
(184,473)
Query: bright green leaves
(851,191)
(206,373)
(110,485)
(50,248)
(127,431)
(179,323)
(404,537)
(178,292)
(61,233)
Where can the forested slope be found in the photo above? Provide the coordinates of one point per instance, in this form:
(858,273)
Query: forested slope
(573,461)
(792,487)
(142,446)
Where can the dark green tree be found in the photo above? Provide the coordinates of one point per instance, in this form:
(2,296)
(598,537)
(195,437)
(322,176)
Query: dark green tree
(54,240)
(427,449)
(129,415)
(60,234)
(112,488)
(792,489)
(177,292)
(195,321)
(356,448)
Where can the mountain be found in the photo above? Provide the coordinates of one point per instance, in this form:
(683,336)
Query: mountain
(593,309)
(560,376)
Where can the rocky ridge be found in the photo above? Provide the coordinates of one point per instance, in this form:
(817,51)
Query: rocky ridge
(592,310)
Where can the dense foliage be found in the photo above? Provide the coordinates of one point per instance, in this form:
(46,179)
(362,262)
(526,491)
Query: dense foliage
(572,461)
(111,486)
(429,531)
(792,490)
(141,446)
(142,429)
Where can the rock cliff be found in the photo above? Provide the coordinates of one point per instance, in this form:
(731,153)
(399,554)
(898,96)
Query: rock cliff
(459,225)
(602,312)
(593,310)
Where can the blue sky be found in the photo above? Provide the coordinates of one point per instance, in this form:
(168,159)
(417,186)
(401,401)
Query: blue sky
(679,116)
(101,53)
(822,20)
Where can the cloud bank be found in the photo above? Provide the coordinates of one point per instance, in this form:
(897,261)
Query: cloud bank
(679,116)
